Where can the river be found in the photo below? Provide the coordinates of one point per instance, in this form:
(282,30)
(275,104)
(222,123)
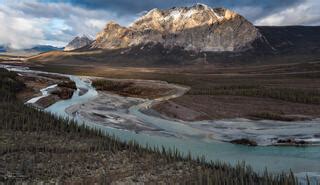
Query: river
(193,137)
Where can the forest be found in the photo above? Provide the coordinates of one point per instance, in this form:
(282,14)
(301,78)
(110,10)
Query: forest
(286,94)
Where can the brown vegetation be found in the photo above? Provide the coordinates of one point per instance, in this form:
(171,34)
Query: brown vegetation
(63,93)
(204,107)
(132,88)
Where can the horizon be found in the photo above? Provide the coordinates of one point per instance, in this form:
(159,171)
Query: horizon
(56,22)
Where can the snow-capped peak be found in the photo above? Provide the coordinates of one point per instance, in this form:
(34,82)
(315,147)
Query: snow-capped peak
(78,42)
(183,17)
(83,36)
(197,27)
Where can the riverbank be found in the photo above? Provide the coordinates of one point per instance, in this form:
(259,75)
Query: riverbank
(145,89)
(206,107)
(43,89)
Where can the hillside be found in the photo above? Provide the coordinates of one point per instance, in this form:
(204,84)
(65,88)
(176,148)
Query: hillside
(292,39)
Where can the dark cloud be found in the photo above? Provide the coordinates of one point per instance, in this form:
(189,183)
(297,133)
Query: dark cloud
(128,7)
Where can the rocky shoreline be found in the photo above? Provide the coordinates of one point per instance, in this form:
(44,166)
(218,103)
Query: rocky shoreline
(36,82)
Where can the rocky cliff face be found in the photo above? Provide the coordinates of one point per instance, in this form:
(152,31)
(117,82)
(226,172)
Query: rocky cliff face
(196,28)
(78,42)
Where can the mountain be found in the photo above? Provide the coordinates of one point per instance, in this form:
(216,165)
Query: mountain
(3,49)
(195,28)
(78,42)
(29,51)
(292,39)
(43,48)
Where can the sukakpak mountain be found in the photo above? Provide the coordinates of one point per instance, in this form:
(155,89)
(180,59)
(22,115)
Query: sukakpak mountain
(196,28)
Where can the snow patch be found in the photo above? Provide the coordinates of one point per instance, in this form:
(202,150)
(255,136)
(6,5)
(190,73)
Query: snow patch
(174,15)
(217,15)
(151,11)
(189,13)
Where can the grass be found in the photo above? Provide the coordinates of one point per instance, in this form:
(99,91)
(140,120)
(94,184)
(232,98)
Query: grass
(130,88)
(285,94)
(19,118)
(109,85)
(68,84)
(271,116)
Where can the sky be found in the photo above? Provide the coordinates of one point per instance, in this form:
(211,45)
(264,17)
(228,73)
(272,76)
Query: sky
(26,23)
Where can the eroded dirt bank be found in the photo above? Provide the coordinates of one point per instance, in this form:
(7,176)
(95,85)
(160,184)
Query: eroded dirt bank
(43,89)
(197,108)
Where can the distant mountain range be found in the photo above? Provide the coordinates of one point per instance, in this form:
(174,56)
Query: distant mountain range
(35,49)
(3,49)
(44,48)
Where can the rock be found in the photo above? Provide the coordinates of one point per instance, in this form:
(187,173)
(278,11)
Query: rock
(195,28)
(68,84)
(78,42)
(46,101)
(82,91)
(63,93)
(291,142)
(244,141)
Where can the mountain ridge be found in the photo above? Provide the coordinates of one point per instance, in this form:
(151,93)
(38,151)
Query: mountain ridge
(32,50)
(196,28)
(78,42)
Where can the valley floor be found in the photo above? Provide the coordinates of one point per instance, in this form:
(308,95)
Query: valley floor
(277,91)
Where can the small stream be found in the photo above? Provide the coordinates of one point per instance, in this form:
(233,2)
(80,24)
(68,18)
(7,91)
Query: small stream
(200,138)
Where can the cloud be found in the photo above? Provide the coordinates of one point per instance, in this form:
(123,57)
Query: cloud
(305,13)
(18,31)
(29,23)
(132,7)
